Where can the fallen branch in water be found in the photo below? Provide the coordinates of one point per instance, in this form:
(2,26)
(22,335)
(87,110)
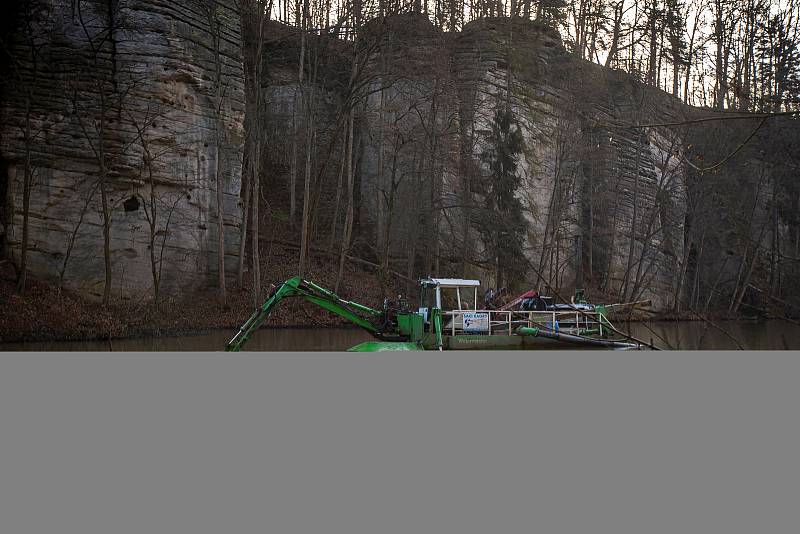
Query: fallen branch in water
(660,338)
(779,301)
(716,326)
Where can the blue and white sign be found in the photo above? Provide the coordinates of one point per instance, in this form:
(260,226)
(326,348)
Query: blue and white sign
(476,322)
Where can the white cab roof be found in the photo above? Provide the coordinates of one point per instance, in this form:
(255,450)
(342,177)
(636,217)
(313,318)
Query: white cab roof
(454,282)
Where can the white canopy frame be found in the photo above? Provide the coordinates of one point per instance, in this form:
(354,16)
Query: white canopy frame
(454,283)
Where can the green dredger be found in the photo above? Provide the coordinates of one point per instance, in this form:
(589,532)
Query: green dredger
(397,327)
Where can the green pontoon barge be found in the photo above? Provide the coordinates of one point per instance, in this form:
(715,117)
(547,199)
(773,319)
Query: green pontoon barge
(463,325)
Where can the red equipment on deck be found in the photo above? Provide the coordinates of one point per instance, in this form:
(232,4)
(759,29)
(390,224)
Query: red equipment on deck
(515,303)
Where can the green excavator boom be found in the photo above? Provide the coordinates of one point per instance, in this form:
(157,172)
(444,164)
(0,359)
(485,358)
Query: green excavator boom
(356,313)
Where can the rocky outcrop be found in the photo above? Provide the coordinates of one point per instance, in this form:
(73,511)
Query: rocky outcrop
(584,180)
(424,126)
(598,190)
(129,87)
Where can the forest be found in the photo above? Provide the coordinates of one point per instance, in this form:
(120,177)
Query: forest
(153,155)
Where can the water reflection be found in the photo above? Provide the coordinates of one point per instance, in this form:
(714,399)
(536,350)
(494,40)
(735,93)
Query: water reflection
(693,335)
(773,335)
(282,339)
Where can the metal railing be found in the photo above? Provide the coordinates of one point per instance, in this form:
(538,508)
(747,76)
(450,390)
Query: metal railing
(504,322)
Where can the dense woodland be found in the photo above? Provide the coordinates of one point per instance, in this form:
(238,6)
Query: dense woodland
(359,148)
(727,55)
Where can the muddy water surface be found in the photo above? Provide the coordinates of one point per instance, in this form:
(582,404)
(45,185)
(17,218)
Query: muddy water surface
(771,335)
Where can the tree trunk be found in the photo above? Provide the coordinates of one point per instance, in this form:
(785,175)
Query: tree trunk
(73,235)
(301,105)
(254,253)
(342,166)
(26,199)
(632,242)
(293,168)
(380,179)
(153,261)
(652,71)
(348,223)
(720,74)
(696,282)
(774,252)
(615,35)
(223,297)
(676,296)
(689,56)
(304,227)
(590,248)
(413,231)
(106,242)
(243,232)
(746,281)
(387,230)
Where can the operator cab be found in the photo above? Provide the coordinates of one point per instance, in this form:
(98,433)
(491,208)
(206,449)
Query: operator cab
(464,292)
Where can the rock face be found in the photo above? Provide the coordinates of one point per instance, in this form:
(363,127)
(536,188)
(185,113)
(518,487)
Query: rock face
(425,124)
(142,98)
(584,180)
(284,118)
(132,96)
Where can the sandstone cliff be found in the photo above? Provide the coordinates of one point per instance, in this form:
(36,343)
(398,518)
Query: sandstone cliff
(423,129)
(133,85)
(598,189)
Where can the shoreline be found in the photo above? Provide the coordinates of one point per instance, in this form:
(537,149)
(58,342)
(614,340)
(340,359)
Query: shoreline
(45,314)
(160,328)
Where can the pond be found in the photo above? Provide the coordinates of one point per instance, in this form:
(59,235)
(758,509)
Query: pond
(769,335)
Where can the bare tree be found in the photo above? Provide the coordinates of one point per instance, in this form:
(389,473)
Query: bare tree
(154,202)
(255,16)
(96,89)
(212,15)
(74,234)
(348,222)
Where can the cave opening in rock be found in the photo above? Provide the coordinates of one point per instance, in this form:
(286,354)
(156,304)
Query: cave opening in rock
(131,204)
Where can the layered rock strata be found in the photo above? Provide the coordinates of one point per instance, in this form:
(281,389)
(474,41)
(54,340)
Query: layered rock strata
(142,98)
(424,126)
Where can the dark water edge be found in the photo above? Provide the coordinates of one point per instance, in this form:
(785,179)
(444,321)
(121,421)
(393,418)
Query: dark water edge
(276,339)
(698,335)
(677,335)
